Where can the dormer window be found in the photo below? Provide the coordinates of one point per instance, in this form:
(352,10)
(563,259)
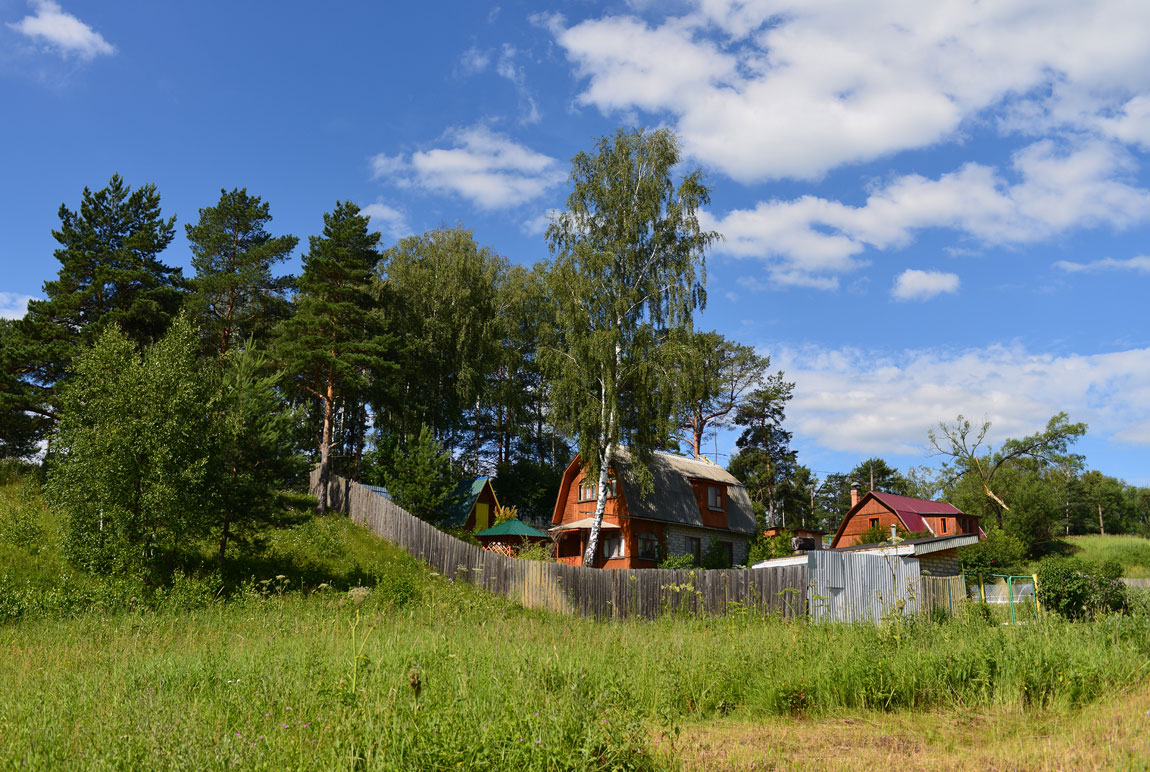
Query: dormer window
(715,496)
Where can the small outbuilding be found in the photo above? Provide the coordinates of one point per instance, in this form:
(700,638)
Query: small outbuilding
(510,536)
(475,505)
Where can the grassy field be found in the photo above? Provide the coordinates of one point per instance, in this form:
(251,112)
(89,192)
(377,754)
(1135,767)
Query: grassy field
(1133,552)
(419,673)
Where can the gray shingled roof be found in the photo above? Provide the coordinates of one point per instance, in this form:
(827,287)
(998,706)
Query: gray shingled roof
(672,500)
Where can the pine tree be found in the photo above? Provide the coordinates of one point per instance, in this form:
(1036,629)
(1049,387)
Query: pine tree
(110,273)
(234,294)
(335,344)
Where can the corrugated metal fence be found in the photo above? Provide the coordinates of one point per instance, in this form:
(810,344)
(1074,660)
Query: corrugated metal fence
(589,592)
(861,586)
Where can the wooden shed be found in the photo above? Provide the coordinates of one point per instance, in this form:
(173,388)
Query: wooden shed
(475,505)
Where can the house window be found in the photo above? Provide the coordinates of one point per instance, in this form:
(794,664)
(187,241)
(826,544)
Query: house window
(874,522)
(589,489)
(714,497)
(648,546)
(695,548)
(729,551)
(943,525)
(612,546)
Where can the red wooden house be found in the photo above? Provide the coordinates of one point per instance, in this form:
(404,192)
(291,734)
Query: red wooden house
(936,518)
(693,502)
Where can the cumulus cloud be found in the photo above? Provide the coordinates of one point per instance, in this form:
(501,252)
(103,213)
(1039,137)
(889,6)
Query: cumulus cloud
(388,219)
(873,403)
(913,284)
(484,167)
(62,31)
(790,89)
(1049,189)
(1140,264)
(13,305)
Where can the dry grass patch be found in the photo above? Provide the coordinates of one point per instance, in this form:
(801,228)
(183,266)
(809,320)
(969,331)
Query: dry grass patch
(1113,734)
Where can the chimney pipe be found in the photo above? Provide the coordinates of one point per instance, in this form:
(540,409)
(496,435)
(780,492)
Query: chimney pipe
(893,531)
(854,493)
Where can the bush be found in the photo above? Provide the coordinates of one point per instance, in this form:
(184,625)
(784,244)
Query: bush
(715,556)
(1076,588)
(676,562)
(998,553)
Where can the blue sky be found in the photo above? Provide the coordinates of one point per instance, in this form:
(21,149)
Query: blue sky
(927,208)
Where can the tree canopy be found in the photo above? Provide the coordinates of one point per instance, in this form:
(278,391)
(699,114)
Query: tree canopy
(628,273)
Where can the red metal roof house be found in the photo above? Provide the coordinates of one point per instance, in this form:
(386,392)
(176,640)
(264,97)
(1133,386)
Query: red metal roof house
(913,515)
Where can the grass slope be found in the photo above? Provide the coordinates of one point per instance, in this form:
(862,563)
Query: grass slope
(421,673)
(1132,552)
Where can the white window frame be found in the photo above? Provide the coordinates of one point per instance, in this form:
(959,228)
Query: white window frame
(613,540)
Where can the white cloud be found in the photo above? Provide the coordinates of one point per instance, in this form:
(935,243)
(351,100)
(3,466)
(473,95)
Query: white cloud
(778,88)
(482,166)
(14,306)
(63,31)
(1055,188)
(537,226)
(506,67)
(913,284)
(390,220)
(1141,264)
(473,60)
(874,403)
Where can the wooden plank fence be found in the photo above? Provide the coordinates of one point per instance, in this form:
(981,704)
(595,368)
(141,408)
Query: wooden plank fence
(589,592)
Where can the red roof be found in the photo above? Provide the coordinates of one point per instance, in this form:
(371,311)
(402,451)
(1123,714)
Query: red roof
(911,511)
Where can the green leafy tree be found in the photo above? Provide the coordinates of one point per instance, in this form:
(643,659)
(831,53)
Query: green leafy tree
(136,445)
(442,286)
(628,272)
(110,273)
(235,296)
(335,343)
(713,374)
(961,443)
(1077,589)
(998,553)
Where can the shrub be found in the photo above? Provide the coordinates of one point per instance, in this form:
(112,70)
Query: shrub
(715,556)
(1076,588)
(674,562)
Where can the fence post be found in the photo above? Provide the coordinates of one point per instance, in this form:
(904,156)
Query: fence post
(1037,605)
(981,588)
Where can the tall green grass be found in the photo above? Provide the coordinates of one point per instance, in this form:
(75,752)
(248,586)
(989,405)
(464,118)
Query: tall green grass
(286,672)
(1132,552)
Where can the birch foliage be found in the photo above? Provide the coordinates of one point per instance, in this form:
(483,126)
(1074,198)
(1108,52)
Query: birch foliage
(628,272)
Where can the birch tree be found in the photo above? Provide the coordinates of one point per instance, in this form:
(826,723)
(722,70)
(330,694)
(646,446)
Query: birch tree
(629,270)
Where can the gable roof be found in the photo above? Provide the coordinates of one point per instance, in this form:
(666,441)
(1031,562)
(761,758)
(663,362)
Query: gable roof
(465,495)
(513,527)
(911,512)
(672,500)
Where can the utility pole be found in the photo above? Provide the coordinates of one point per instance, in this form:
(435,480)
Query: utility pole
(1101,528)
(871,476)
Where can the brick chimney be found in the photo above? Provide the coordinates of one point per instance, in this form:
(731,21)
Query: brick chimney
(854,494)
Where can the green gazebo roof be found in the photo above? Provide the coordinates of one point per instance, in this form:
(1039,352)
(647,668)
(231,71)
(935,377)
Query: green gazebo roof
(513,527)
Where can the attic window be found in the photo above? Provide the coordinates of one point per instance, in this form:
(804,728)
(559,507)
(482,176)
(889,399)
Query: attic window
(943,524)
(714,497)
(589,489)
(874,522)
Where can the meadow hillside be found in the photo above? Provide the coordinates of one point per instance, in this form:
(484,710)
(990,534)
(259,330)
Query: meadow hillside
(1132,552)
(340,652)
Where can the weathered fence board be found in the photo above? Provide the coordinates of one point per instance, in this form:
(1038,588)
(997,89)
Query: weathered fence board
(589,592)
